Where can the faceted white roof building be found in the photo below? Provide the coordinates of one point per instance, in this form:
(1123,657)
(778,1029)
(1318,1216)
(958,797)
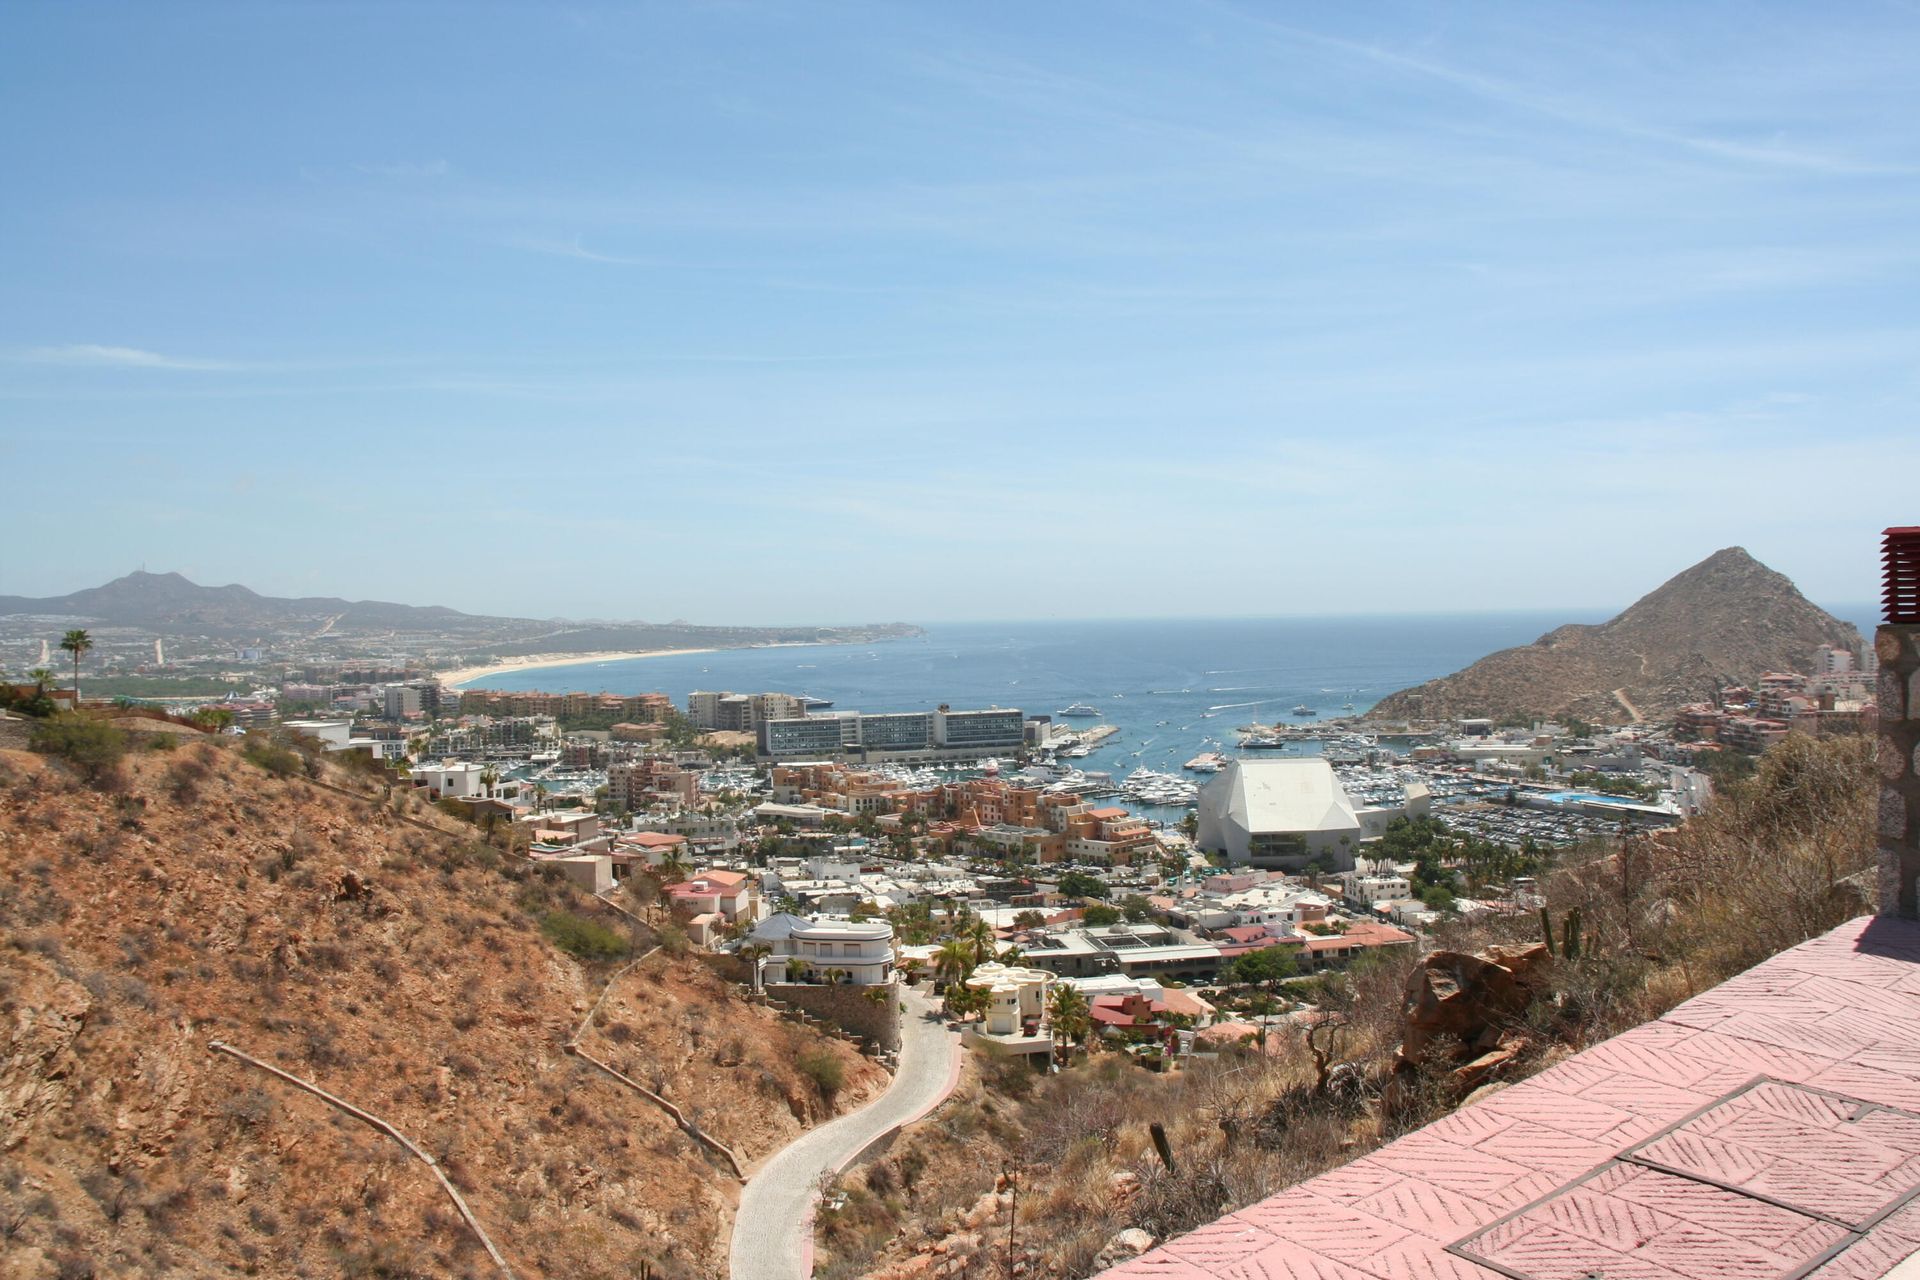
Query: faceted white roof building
(1279,813)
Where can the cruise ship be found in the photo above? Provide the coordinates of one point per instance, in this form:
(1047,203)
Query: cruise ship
(1304,710)
(1077,709)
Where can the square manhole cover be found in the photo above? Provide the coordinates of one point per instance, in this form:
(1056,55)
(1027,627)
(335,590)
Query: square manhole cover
(1768,1182)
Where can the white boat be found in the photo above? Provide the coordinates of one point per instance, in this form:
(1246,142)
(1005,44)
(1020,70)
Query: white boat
(1077,709)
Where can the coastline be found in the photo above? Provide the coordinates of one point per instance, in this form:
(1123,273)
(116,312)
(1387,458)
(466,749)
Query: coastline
(467,675)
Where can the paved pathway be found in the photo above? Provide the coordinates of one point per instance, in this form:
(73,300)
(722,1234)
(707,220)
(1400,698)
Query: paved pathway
(773,1232)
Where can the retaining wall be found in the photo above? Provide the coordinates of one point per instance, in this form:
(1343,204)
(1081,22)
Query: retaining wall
(851,1008)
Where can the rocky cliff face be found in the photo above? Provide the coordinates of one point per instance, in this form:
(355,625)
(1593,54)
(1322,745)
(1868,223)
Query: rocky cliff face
(398,967)
(1724,621)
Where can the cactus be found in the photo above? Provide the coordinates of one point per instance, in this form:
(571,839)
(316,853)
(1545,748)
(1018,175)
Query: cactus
(1546,929)
(1570,935)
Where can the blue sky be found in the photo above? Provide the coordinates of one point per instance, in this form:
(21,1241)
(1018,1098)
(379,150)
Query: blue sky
(781,312)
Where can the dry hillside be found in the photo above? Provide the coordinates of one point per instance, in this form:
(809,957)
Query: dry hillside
(199,898)
(1722,622)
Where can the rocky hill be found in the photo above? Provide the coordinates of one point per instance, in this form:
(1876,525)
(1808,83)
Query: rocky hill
(388,958)
(1723,621)
(168,604)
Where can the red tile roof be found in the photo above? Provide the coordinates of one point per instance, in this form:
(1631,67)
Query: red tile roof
(1769,1127)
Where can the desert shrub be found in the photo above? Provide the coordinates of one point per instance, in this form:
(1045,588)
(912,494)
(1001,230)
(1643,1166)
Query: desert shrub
(278,760)
(825,1069)
(581,938)
(92,747)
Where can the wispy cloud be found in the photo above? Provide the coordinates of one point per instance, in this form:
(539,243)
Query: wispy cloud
(93,355)
(1517,97)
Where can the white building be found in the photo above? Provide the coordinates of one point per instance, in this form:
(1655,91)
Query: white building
(1279,813)
(861,949)
(1015,1022)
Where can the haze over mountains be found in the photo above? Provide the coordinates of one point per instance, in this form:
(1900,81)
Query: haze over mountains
(1721,622)
(169,604)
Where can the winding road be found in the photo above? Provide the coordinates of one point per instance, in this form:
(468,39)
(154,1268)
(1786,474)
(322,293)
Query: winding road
(773,1231)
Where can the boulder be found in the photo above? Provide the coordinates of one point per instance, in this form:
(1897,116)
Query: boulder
(1123,1247)
(1453,994)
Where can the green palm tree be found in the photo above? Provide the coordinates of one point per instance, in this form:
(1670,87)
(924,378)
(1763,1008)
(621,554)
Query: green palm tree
(673,865)
(1068,1012)
(77,643)
(41,677)
(953,962)
(978,935)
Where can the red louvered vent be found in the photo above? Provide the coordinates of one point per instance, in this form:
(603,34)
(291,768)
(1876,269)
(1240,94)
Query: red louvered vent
(1901,557)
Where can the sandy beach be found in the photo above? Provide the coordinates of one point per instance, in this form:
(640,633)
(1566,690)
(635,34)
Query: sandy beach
(467,675)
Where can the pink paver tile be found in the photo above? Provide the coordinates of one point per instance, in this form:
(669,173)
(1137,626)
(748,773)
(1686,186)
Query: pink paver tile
(1219,1243)
(1820,1190)
(1289,1261)
(1428,1210)
(1711,1254)
(1896,1059)
(1644,1097)
(1469,1126)
(1159,1264)
(1478,1175)
(1581,1117)
(1423,1259)
(1709,1157)
(1614,1222)
(1869,1259)
(1356,1181)
(1837,993)
(1838,1013)
(1533,1187)
(1766,1225)
(1821,1041)
(1627,1055)
(1548,1253)
(1874,1085)
(1867,1027)
(1325,1226)
(1547,1150)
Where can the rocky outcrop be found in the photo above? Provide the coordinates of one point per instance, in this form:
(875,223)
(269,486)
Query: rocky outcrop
(1466,1008)
(1724,621)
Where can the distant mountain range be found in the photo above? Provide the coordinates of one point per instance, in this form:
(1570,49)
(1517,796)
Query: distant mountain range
(1721,622)
(168,604)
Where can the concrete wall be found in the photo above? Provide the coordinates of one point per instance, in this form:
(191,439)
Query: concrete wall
(850,1008)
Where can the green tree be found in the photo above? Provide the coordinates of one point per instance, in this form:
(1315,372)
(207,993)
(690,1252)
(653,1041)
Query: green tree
(1028,920)
(978,935)
(212,719)
(1078,884)
(1268,964)
(673,865)
(77,643)
(1100,914)
(1136,908)
(1068,1012)
(953,962)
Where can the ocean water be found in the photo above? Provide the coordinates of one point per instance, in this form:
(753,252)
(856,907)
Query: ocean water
(1172,688)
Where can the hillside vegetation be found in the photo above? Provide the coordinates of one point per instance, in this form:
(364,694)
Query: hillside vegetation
(375,948)
(1722,622)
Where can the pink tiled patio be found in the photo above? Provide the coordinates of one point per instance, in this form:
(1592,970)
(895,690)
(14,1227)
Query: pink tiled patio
(1768,1128)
